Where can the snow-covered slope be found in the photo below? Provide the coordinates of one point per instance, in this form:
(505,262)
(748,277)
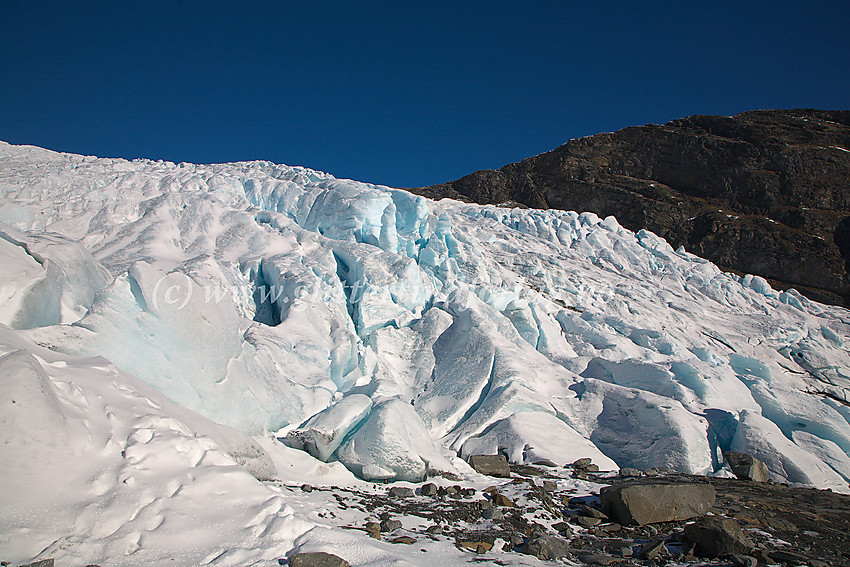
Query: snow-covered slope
(155,316)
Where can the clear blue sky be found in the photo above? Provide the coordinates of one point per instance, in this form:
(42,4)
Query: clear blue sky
(399,93)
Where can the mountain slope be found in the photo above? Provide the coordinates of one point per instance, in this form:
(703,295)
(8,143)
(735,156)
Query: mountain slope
(762,192)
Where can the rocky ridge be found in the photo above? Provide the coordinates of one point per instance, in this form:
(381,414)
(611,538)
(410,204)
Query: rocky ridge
(764,192)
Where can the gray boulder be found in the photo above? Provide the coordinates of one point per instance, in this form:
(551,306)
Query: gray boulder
(317,559)
(648,503)
(492,465)
(547,547)
(390,525)
(718,537)
(42,563)
(400,492)
(747,467)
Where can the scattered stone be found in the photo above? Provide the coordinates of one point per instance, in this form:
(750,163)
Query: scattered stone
(390,525)
(612,528)
(491,465)
(747,467)
(743,561)
(407,540)
(400,492)
(317,559)
(718,537)
(591,512)
(597,558)
(545,463)
(476,546)
(782,556)
(627,551)
(42,563)
(428,489)
(306,488)
(561,527)
(547,547)
(582,463)
(493,514)
(550,486)
(643,504)
(436,529)
(652,549)
(502,500)
(373,529)
(484,504)
(629,473)
(655,471)
(781,524)
(452,490)
(586,522)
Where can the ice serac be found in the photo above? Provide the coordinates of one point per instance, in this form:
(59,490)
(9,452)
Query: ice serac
(392,444)
(47,279)
(392,330)
(324,432)
(529,437)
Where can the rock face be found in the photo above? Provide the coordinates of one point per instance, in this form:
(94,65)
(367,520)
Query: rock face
(492,465)
(718,537)
(762,192)
(319,559)
(747,467)
(643,504)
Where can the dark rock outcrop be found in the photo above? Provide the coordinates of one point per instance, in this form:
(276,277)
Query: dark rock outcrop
(764,192)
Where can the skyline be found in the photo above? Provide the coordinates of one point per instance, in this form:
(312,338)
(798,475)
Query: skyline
(401,96)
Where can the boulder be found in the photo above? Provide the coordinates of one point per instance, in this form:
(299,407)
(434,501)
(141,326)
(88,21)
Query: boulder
(547,547)
(718,537)
(648,503)
(747,467)
(428,489)
(743,561)
(596,558)
(586,510)
(476,546)
(42,563)
(502,500)
(390,525)
(491,465)
(317,559)
(400,492)
(587,521)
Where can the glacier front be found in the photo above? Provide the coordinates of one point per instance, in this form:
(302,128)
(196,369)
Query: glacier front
(399,335)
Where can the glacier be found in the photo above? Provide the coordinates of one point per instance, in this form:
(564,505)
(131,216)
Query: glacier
(240,310)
